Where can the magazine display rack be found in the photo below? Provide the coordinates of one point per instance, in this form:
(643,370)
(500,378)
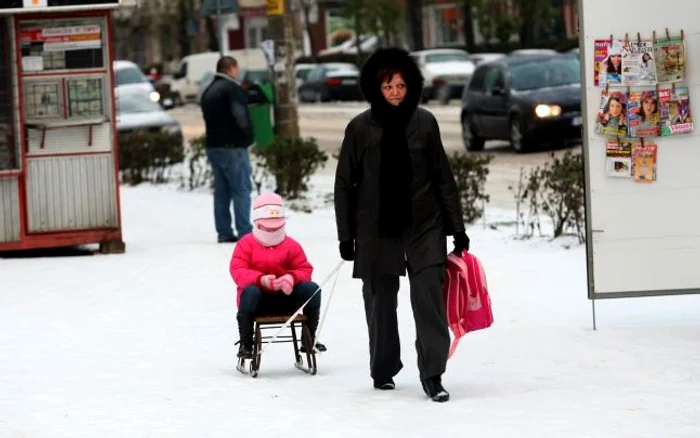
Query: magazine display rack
(641,100)
(640,147)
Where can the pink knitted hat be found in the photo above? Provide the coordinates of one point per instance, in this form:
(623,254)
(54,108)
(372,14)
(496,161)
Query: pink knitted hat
(268,209)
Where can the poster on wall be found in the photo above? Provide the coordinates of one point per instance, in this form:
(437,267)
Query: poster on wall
(643,113)
(61,39)
(612,114)
(674,111)
(644,162)
(607,62)
(638,67)
(618,158)
(670,59)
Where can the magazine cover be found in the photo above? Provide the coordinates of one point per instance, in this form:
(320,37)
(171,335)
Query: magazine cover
(618,157)
(611,118)
(644,162)
(643,114)
(638,67)
(670,59)
(674,111)
(607,62)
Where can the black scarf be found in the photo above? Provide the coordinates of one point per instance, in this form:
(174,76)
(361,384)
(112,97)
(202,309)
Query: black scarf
(395,169)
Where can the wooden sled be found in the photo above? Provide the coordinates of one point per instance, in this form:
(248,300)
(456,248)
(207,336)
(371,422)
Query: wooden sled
(274,323)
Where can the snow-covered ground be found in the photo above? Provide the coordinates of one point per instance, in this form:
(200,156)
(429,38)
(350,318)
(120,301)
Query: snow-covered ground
(142,345)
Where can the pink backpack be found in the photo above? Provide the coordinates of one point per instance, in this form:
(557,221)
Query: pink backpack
(466,297)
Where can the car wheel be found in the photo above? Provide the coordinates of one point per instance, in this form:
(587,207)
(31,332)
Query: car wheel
(318,97)
(471,141)
(518,141)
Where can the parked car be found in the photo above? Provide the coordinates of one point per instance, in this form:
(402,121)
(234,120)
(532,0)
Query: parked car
(301,71)
(479,58)
(446,72)
(130,78)
(136,112)
(331,81)
(186,84)
(530,52)
(523,99)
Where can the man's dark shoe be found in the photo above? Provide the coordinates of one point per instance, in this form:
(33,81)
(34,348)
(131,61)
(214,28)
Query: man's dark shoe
(433,388)
(384,384)
(232,239)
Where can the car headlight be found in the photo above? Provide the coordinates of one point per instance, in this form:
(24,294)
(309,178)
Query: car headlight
(171,129)
(544,111)
(155,96)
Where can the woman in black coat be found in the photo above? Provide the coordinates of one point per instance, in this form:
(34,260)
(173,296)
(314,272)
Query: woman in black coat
(395,202)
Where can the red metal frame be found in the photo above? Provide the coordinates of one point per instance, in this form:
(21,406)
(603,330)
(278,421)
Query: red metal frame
(68,237)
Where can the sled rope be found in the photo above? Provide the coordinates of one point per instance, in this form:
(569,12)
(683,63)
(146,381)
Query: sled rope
(335,271)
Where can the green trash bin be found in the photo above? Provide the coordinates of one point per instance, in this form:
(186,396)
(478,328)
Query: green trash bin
(261,97)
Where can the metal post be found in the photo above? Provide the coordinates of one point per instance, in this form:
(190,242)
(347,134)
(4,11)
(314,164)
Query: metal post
(594,323)
(219,28)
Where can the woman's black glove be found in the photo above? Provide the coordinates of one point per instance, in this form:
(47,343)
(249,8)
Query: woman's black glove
(461,241)
(347,250)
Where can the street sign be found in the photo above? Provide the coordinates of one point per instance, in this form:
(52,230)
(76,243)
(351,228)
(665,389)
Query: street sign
(268,47)
(275,7)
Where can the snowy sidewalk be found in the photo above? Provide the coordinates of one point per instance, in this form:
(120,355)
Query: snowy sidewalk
(142,345)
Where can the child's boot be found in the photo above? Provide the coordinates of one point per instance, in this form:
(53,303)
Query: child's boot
(246,321)
(312,320)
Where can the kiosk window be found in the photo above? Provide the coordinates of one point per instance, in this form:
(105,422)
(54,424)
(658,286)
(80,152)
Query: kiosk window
(85,97)
(9,151)
(42,100)
(51,45)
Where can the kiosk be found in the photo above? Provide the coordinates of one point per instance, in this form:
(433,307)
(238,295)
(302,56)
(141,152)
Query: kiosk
(58,140)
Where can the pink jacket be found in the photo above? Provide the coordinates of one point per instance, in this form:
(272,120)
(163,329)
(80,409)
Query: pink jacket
(251,260)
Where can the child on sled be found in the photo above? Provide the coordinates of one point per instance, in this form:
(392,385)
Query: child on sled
(272,273)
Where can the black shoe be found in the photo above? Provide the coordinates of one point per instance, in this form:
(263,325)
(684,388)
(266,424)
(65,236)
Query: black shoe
(433,388)
(232,239)
(384,384)
(245,351)
(319,347)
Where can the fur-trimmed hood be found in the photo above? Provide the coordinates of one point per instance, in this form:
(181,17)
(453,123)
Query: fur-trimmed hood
(398,60)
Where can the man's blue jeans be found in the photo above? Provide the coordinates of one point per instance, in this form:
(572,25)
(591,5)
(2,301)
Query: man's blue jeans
(232,182)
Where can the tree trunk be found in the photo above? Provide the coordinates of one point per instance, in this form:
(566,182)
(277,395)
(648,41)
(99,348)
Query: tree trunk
(469,38)
(358,34)
(415,24)
(307,25)
(183,20)
(213,38)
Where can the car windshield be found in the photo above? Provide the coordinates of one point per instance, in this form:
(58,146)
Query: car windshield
(545,73)
(130,75)
(446,57)
(136,103)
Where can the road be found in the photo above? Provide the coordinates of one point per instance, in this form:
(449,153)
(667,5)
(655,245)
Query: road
(326,122)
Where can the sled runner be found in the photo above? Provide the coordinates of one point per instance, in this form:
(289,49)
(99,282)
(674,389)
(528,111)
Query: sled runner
(302,342)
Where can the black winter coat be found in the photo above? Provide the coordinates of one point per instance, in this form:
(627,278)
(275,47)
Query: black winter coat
(436,206)
(224,106)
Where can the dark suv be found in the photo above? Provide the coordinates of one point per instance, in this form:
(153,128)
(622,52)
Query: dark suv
(523,99)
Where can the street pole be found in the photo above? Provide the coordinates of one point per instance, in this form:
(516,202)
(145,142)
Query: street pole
(219,28)
(281,31)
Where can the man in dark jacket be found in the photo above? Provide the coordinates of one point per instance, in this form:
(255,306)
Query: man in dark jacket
(229,132)
(395,202)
